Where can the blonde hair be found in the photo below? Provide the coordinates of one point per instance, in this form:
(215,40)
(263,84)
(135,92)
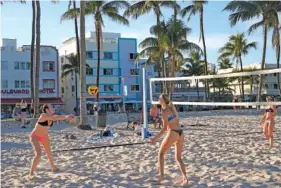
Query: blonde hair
(167,100)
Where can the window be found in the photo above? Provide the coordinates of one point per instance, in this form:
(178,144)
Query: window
(48,66)
(89,55)
(49,84)
(62,60)
(22,65)
(133,55)
(135,88)
(62,90)
(108,55)
(16,65)
(89,71)
(4,84)
(275,86)
(134,72)
(73,89)
(266,86)
(108,87)
(22,83)
(17,84)
(27,66)
(4,65)
(107,71)
(27,84)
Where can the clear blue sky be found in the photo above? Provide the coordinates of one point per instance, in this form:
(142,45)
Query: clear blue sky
(16,23)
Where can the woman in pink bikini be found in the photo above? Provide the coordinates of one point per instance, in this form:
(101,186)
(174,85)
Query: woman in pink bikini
(39,135)
(268,122)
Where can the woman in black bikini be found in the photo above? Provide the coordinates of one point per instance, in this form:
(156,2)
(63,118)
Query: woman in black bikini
(23,107)
(268,122)
(39,135)
(174,136)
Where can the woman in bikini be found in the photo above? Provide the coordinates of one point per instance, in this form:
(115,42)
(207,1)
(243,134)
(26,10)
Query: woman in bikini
(39,135)
(23,107)
(174,136)
(268,122)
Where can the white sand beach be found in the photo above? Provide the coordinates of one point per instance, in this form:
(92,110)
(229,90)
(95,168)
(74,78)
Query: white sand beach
(224,149)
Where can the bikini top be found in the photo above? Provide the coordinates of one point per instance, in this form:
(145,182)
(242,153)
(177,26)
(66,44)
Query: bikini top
(269,110)
(171,117)
(45,123)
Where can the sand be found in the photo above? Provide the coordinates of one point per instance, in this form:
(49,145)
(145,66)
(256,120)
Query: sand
(220,151)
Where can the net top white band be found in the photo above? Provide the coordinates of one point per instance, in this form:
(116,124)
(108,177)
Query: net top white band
(224,75)
(224,103)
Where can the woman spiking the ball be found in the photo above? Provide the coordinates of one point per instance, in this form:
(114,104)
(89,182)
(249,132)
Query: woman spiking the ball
(174,136)
(39,135)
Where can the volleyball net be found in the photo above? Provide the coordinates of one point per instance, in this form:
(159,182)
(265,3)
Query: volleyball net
(225,89)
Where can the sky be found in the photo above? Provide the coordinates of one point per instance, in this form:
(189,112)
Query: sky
(16,20)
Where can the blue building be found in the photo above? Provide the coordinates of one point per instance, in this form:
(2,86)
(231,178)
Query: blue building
(118,70)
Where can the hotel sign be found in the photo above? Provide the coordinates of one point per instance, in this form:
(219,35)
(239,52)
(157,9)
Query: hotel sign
(24,91)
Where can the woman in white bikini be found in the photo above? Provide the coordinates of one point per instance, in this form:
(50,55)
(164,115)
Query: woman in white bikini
(268,122)
(174,137)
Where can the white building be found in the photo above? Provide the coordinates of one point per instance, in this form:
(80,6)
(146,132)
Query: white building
(15,75)
(269,82)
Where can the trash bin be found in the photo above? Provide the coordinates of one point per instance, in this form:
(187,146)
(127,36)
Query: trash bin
(101,118)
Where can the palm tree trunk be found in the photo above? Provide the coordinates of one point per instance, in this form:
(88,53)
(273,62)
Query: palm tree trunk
(83,110)
(76,93)
(278,61)
(98,65)
(242,82)
(32,56)
(78,53)
(76,33)
(205,53)
(262,61)
(37,63)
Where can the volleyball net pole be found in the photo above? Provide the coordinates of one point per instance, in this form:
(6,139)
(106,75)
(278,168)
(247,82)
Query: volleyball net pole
(145,123)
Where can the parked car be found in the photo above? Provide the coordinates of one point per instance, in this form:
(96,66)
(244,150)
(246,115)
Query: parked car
(3,116)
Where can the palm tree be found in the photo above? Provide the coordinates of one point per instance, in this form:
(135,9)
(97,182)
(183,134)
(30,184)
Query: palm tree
(83,111)
(77,44)
(32,54)
(73,67)
(251,80)
(98,9)
(37,62)
(198,7)
(225,63)
(172,42)
(146,6)
(194,67)
(247,10)
(235,48)
(76,29)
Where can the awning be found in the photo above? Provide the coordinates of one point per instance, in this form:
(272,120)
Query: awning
(28,101)
(106,97)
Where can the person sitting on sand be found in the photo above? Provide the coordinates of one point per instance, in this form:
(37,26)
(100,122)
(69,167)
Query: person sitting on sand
(39,135)
(17,112)
(174,137)
(268,122)
(108,131)
(154,112)
(137,129)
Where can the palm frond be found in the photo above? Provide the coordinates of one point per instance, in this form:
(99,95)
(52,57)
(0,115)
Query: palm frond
(70,14)
(150,41)
(117,18)
(66,73)
(255,26)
